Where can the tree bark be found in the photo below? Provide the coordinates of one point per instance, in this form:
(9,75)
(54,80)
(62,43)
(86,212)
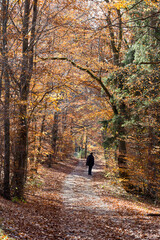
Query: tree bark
(55,135)
(40,137)
(86,146)
(6,190)
(26,73)
(116,47)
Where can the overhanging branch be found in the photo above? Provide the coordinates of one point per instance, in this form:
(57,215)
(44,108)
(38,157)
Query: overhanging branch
(98,79)
(158,62)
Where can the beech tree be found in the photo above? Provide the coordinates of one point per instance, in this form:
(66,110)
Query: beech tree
(25,23)
(25,77)
(5,77)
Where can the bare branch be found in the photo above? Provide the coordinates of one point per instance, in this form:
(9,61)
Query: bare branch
(98,79)
(158,62)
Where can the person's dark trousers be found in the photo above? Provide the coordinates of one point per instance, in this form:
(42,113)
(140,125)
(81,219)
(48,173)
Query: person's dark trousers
(90,170)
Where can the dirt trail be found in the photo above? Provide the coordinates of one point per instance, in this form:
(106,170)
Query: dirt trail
(78,193)
(72,205)
(87,216)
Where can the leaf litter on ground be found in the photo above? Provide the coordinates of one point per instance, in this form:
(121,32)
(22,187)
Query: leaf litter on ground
(44,214)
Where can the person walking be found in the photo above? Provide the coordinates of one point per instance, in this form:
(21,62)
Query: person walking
(90,163)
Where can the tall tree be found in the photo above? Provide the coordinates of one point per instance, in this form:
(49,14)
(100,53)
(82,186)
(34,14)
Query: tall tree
(5,75)
(25,77)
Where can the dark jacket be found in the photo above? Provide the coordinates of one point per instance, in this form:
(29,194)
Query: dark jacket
(90,160)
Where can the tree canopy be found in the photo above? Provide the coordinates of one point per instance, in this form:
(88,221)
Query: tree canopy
(78,76)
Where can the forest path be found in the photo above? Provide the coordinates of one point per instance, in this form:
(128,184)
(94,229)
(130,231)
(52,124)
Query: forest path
(68,204)
(78,193)
(89,216)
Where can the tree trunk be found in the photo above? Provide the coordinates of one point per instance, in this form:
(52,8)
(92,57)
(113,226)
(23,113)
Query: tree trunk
(151,168)
(40,137)
(116,47)
(55,135)
(86,145)
(122,160)
(6,189)
(26,73)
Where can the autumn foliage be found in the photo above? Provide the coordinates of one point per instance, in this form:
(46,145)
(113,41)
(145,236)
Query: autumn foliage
(77,76)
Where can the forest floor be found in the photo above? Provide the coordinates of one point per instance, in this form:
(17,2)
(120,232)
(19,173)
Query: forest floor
(68,204)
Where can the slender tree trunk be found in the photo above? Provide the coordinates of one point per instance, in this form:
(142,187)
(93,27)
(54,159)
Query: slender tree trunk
(21,148)
(86,145)
(151,167)
(55,135)
(115,47)
(27,67)
(7,140)
(1,120)
(40,137)
(6,105)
